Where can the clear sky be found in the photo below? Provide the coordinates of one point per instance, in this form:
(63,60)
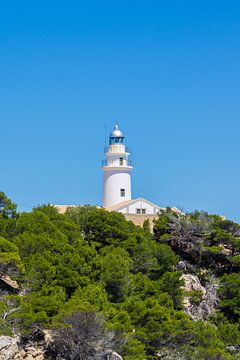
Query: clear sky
(168,72)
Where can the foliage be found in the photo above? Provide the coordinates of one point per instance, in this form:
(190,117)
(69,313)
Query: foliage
(230,296)
(194,295)
(115,274)
(10,261)
(7,207)
(213,249)
(93,277)
(80,338)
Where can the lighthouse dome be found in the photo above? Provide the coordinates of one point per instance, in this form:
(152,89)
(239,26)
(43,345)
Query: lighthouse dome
(116,133)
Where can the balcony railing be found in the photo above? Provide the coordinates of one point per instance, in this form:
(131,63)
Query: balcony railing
(105,163)
(107,149)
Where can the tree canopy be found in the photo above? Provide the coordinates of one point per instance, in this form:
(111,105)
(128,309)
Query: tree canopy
(120,281)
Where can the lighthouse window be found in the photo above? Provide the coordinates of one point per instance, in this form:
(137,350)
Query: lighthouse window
(120,161)
(122,192)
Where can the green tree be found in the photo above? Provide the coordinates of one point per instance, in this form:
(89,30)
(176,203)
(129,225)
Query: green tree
(116,265)
(7,208)
(84,337)
(229,293)
(101,227)
(166,259)
(10,262)
(134,350)
(170,282)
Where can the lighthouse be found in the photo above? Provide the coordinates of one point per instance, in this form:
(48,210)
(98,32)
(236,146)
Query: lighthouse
(117,196)
(116,170)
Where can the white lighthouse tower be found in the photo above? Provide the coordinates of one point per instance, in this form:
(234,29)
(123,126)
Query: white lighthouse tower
(116,170)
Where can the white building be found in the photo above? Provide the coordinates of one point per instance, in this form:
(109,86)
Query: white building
(137,206)
(117,194)
(117,170)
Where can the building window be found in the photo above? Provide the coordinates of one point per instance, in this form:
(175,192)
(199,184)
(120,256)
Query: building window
(141,211)
(121,161)
(122,192)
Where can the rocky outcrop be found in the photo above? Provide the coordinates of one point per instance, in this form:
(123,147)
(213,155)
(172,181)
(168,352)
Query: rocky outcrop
(192,283)
(30,353)
(8,347)
(26,347)
(112,355)
(234,350)
(11,349)
(9,283)
(170,354)
(14,348)
(206,300)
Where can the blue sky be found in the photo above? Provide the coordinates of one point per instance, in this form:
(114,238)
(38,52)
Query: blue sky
(166,71)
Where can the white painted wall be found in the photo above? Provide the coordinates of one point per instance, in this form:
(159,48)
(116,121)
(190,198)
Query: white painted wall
(141,204)
(117,148)
(113,160)
(113,181)
(116,176)
(123,210)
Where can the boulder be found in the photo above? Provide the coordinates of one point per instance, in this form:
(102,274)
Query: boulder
(112,355)
(8,347)
(208,300)
(192,282)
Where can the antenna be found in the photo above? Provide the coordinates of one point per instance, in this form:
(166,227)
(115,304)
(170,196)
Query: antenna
(105,133)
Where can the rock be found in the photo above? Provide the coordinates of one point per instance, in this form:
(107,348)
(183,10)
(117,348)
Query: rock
(21,354)
(48,336)
(8,347)
(235,350)
(11,349)
(192,283)
(36,335)
(31,353)
(28,357)
(184,266)
(11,284)
(181,265)
(112,355)
(201,309)
(225,250)
(170,354)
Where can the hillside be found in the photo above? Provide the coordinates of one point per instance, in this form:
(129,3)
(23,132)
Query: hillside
(95,282)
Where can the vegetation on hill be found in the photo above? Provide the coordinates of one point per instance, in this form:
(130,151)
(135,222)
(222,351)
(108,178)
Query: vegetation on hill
(94,278)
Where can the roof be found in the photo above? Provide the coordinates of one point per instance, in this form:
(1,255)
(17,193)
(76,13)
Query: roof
(116,132)
(123,204)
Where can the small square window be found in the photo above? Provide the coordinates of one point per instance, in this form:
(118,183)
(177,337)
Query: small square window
(122,192)
(138,211)
(143,211)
